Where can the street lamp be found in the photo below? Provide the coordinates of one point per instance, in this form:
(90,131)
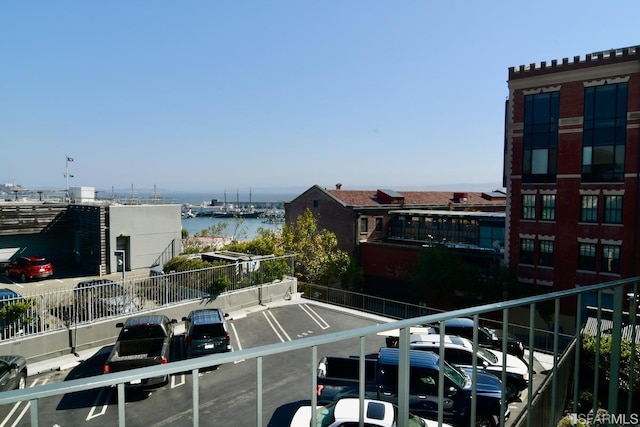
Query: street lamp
(120,259)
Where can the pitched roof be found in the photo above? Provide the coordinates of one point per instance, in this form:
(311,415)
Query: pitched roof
(417,198)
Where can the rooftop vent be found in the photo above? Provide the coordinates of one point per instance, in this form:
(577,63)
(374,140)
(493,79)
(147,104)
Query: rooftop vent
(460,197)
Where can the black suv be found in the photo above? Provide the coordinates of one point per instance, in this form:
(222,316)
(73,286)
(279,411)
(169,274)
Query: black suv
(206,332)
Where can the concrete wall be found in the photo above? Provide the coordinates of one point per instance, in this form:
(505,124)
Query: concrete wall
(150,229)
(104,333)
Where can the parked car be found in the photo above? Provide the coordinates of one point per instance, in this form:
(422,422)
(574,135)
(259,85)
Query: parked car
(487,337)
(15,322)
(459,352)
(339,377)
(143,341)
(206,332)
(345,412)
(103,297)
(13,373)
(28,268)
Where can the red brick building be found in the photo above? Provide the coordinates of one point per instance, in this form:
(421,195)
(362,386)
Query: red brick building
(572,165)
(385,230)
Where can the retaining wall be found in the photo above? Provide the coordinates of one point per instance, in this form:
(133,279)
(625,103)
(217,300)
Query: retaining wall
(36,348)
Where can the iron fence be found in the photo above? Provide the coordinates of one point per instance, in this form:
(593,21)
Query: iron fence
(100,298)
(560,393)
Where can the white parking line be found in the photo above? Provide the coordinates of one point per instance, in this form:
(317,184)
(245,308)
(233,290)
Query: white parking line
(92,413)
(174,381)
(315,316)
(237,340)
(267,315)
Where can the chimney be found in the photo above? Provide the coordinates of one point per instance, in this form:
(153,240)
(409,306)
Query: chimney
(338,186)
(460,197)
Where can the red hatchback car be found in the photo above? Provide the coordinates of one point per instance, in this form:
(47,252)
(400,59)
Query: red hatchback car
(29,267)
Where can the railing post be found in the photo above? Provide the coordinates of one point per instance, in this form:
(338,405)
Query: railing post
(259,392)
(633,306)
(503,376)
(616,341)
(474,378)
(576,365)
(532,337)
(314,383)
(363,379)
(403,374)
(596,368)
(195,390)
(554,379)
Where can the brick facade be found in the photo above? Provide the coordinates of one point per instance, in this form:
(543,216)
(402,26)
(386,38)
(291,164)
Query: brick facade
(567,231)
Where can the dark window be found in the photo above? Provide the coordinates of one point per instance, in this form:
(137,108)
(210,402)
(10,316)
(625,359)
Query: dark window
(378,224)
(528,206)
(540,137)
(604,132)
(315,203)
(610,262)
(212,330)
(613,209)
(545,257)
(589,208)
(526,251)
(587,256)
(548,210)
(364,225)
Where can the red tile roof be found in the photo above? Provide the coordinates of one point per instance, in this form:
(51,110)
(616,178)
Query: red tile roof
(419,198)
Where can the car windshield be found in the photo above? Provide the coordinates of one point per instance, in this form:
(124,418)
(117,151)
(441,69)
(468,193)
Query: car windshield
(487,355)
(40,262)
(456,375)
(490,332)
(324,415)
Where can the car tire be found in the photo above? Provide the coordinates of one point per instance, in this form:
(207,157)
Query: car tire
(22,381)
(485,420)
(512,391)
(23,277)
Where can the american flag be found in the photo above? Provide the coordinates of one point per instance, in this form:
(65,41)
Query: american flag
(70,159)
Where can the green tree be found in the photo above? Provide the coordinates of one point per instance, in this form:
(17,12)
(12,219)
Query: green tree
(318,258)
(589,342)
(440,276)
(17,313)
(266,242)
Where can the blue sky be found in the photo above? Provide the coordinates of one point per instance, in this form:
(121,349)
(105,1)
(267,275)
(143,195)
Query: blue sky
(208,95)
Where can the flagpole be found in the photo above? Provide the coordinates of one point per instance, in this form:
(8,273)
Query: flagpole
(66,174)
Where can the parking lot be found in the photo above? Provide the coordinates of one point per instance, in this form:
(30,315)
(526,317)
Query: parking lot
(227,394)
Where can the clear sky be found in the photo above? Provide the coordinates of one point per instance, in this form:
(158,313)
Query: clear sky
(206,95)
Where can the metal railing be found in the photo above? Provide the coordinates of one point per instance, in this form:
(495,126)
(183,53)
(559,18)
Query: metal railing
(545,407)
(100,298)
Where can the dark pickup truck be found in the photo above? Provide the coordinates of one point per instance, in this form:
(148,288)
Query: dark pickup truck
(143,341)
(338,378)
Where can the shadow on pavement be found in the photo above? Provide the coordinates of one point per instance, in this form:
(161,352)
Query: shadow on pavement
(283,415)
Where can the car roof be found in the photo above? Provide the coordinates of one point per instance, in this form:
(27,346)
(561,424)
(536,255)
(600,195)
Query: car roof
(6,293)
(459,321)
(434,339)
(211,315)
(146,319)
(425,359)
(374,410)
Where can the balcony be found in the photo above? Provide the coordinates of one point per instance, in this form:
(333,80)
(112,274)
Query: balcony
(558,395)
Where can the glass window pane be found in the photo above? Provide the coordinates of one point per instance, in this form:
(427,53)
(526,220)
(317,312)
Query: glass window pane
(539,163)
